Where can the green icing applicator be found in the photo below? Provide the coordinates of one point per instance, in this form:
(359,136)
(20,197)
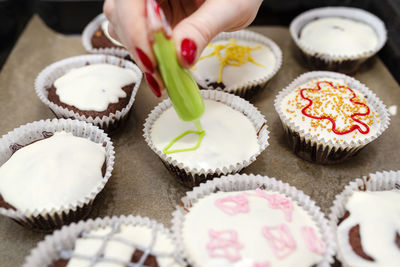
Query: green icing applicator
(181,87)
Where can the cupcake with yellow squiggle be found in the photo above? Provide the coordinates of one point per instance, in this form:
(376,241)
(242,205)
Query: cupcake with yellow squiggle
(239,62)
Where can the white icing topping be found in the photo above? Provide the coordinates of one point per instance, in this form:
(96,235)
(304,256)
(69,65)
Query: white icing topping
(118,250)
(52,173)
(378,214)
(230,137)
(254,249)
(104,27)
(94,87)
(294,111)
(208,68)
(338,36)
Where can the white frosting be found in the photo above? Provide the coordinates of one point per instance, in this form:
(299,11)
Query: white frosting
(94,87)
(230,137)
(305,123)
(338,36)
(208,68)
(121,246)
(52,173)
(205,215)
(104,27)
(378,214)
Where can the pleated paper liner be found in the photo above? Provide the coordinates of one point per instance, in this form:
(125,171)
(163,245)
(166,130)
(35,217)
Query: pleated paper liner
(337,62)
(45,220)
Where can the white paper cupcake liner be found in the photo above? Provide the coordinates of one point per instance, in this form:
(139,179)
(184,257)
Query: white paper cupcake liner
(47,77)
(49,219)
(337,62)
(247,88)
(89,31)
(192,176)
(244,182)
(48,251)
(380,181)
(316,148)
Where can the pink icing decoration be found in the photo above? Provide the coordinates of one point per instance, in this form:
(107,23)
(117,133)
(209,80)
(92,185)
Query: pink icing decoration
(233,205)
(277,201)
(261,264)
(224,244)
(313,242)
(280,239)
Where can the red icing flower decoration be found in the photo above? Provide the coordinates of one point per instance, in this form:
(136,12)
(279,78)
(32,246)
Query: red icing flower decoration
(341,99)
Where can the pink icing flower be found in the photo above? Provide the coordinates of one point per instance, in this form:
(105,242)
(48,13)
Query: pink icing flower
(280,239)
(313,242)
(277,201)
(261,264)
(233,205)
(224,244)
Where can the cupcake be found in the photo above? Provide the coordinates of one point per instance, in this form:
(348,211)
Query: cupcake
(117,241)
(365,219)
(239,62)
(247,220)
(51,172)
(95,88)
(234,133)
(338,38)
(97,40)
(328,117)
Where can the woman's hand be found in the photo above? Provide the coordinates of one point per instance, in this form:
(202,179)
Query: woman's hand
(194,24)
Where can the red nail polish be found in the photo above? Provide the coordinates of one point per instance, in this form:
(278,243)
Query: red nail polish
(145,60)
(188,50)
(153,84)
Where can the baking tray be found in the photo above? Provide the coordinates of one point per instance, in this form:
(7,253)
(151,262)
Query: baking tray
(140,184)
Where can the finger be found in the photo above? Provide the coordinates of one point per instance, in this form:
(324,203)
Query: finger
(193,34)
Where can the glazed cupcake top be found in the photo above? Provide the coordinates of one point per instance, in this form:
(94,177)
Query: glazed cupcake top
(338,36)
(370,233)
(94,87)
(234,62)
(104,28)
(230,137)
(52,173)
(122,245)
(256,228)
(330,109)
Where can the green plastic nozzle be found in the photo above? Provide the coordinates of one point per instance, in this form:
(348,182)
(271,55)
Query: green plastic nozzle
(181,87)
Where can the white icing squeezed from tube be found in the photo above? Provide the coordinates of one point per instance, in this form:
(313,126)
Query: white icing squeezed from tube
(115,245)
(378,214)
(104,27)
(52,173)
(339,36)
(94,87)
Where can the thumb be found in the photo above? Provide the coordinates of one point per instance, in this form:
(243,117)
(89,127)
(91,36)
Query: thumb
(193,33)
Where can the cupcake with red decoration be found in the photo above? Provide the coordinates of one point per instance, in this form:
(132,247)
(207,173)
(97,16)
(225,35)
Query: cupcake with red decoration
(328,117)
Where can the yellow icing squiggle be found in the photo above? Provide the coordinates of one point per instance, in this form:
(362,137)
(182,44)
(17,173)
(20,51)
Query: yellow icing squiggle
(200,133)
(235,55)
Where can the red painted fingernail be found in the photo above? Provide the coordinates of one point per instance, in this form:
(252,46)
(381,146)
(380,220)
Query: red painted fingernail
(153,84)
(145,60)
(188,50)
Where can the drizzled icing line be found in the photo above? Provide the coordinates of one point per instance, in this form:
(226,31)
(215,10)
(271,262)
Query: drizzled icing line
(312,241)
(224,244)
(328,117)
(280,240)
(239,204)
(99,256)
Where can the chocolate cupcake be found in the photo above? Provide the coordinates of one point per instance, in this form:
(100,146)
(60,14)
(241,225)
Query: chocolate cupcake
(328,117)
(97,40)
(234,133)
(247,220)
(365,219)
(117,241)
(51,171)
(338,38)
(98,89)
(239,62)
